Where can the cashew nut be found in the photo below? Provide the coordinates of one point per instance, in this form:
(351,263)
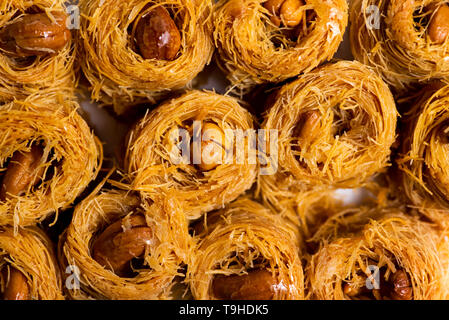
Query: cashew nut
(255,285)
(24,171)
(121,242)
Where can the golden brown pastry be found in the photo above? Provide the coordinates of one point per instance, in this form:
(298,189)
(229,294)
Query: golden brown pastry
(335,128)
(136,51)
(378,254)
(28,266)
(162,156)
(36,50)
(244,252)
(48,156)
(423,160)
(124,248)
(262,41)
(405,41)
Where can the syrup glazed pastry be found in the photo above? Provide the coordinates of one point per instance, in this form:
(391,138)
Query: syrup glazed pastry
(424,161)
(335,127)
(269,41)
(36,50)
(48,156)
(125,249)
(406,41)
(162,156)
(134,51)
(28,266)
(378,254)
(244,252)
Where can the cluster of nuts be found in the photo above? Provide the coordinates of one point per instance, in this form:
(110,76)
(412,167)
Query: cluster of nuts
(398,287)
(212,144)
(288,12)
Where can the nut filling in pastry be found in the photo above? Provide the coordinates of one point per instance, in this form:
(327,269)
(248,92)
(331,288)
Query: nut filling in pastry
(256,284)
(35,34)
(379,284)
(211,144)
(27,170)
(13,284)
(433,21)
(292,18)
(23,172)
(156,35)
(121,243)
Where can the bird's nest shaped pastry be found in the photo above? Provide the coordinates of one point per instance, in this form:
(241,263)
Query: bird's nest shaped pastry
(30,252)
(69,157)
(153,171)
(394,37)
(253,50)
(335,127)
(23,76)
(117,73)
(243,238)
(161,263)
(378,254)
